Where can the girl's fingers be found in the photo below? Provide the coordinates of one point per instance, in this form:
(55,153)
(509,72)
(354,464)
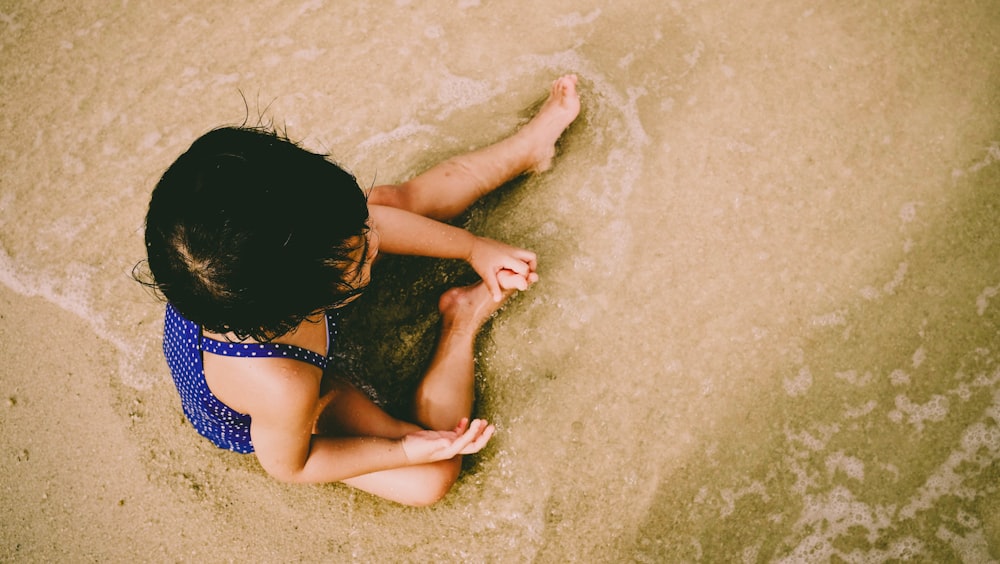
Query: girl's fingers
(493,286)
(532,261)
(480,441)
(465,439)
(474,429)
(529,258)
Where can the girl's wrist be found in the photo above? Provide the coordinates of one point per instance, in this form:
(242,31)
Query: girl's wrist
(473,242)
(402,449)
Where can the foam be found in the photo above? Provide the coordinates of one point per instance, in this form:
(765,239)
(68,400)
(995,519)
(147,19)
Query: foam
(834,318)
(908,212)
(970,547)
(433,32)
(869,293)
(983,299)
(897,279)
(309,54)
(853,467)
(404,131)
(812,443)
(992,156)
(604,94)
(852,377)
(8,20)
(71,295)
(731,496)
(459,92)
(576,18)
(935,409)
(800,384)
(983,381)
(827,516)
(963,391)
(861,411)
(970,457)
(899,378)
(751,554)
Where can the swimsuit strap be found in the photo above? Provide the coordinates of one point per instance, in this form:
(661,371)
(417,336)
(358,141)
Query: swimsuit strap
(263,350)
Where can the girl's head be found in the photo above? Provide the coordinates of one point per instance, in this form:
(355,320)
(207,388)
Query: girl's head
(251,234)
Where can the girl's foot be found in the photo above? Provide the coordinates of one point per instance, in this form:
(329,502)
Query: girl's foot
(467,308)
(558,111)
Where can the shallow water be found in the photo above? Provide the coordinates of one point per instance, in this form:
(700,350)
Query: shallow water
(767,324)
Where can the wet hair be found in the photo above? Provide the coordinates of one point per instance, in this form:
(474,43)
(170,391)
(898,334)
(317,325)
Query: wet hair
(249,233)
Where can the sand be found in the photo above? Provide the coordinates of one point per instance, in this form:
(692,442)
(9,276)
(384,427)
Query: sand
(767,325)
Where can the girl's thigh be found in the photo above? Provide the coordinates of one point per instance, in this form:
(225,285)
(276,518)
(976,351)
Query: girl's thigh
(347,412)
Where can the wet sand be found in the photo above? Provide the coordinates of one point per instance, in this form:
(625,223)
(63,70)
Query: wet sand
(767,323)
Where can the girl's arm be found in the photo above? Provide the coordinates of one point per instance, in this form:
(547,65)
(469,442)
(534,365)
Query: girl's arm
(282,426)
(502,267)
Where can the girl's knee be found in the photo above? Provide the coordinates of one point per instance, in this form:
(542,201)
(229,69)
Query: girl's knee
(435,484)
(428,497)
(390,195)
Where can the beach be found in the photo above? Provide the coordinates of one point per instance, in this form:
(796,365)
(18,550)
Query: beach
(767,326)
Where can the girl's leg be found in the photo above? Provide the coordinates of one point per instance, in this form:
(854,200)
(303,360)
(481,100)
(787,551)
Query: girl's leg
(348,412)
(447,392)
(447,189)
(444,397)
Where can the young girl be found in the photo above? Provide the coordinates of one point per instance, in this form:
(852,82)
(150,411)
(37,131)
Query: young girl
(254,242)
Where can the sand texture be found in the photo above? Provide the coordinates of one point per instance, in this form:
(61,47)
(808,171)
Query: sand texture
(768,322)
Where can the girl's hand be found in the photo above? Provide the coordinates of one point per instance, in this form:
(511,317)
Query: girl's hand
(431,446)
(502,267)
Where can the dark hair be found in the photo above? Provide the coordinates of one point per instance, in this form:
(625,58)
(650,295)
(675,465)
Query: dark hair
(249,233)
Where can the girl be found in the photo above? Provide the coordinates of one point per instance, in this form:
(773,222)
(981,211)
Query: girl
(254,242)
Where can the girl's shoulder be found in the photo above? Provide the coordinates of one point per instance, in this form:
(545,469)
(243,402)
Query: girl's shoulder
(250,384)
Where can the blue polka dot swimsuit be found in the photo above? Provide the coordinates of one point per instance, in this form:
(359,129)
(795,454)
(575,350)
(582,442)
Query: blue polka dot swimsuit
(183,345)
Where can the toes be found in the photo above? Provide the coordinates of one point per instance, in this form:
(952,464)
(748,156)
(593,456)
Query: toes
(564,85)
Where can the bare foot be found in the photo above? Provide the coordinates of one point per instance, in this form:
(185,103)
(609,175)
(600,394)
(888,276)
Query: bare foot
(558,111)
(467,308)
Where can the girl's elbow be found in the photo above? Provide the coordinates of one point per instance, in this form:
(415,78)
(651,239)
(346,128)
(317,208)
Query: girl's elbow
(286,477)
(286,474)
